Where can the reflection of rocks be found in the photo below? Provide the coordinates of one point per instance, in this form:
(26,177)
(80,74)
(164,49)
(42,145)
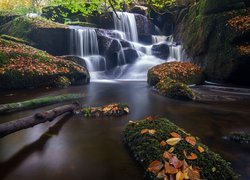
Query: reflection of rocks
(161,50)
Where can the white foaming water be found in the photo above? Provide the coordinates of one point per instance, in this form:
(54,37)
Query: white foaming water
(86,45)
(126,23)
(85,40)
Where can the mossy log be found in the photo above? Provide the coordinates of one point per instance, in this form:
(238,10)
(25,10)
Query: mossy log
(27,122)
(166,150)
(34,103)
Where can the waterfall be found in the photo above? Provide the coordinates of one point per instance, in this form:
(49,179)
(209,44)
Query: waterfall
(85,41)
(126,23)
(175,53)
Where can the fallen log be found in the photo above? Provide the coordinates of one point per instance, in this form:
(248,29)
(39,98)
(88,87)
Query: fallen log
(34,103)
(27,122)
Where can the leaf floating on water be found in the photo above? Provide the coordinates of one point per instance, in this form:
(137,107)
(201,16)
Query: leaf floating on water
(169,169)
(143,131)
(191,140)
(155,166)
(200,149)
(176,162)
(152,131)
(173,141)
(163,143)
(175,135)
(180,176)
(167,155)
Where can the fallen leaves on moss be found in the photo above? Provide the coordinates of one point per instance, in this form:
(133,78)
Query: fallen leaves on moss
(241,23)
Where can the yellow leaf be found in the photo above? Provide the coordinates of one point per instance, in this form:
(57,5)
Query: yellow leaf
(201,149)
(152,131)
(171,150)
(179,176)
(173,141)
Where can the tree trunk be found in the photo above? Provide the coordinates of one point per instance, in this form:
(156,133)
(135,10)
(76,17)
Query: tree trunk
(27,122)
(34,103)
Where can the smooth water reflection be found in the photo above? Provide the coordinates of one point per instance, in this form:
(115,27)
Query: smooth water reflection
(79,148)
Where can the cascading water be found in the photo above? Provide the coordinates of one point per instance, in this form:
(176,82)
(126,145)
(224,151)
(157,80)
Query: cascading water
(86,45)
(125,22)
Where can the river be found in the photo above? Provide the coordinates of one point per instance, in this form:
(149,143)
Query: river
(76,147)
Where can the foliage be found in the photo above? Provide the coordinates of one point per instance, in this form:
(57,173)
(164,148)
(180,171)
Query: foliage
(115,109)
(172,151)
(14,39)
(62,82)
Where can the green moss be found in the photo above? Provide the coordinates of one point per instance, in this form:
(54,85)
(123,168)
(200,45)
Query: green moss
(146,148)
(3,59)
(62,82)
(79,23)
(14,39)
(176,90)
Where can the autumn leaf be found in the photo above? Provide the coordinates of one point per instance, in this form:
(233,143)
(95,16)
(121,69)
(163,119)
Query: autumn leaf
(175,162)
(169,169)
(191,140)
(151,118)
(152,131)
(193,174)
(163,143)
(192,156)
(155,166)
(161,174)
(171,150)
(175,135)
(173,141)
(167,155)
(126,109)
(179,176)
(200,149)
(143,131)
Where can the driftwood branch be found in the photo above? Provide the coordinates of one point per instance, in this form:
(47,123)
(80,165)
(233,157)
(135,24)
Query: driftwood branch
(27,122)
(39,102)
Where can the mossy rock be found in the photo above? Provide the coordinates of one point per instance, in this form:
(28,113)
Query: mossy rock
(175,90)
(183,72)
(6,16)
(146,147)
(62,82)
(22,66)
(14,39)
(79,23)
(240,137)
(40,33)
(211,34)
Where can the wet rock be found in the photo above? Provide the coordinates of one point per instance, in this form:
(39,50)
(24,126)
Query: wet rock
(130,55)
(112,54)
(41,33)
(161,50)
(145,26)
(139,10)
(6,17)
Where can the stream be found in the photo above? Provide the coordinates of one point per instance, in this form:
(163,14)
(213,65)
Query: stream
(76,147)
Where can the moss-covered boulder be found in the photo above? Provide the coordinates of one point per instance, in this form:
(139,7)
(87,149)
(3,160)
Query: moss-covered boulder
(22,66)
(183,72)
(211,37)
(6,16)
(40,33)
(171,79)
(166,150)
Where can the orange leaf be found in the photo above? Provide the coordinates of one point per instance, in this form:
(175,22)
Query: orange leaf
(191,140)
(155,166)
(163,143)
(167,155)
(143,131)
(169,169)
(192,156)
(175,135)
(201,149)
(151,118)
(193,174)
(173,141)
(161,174)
